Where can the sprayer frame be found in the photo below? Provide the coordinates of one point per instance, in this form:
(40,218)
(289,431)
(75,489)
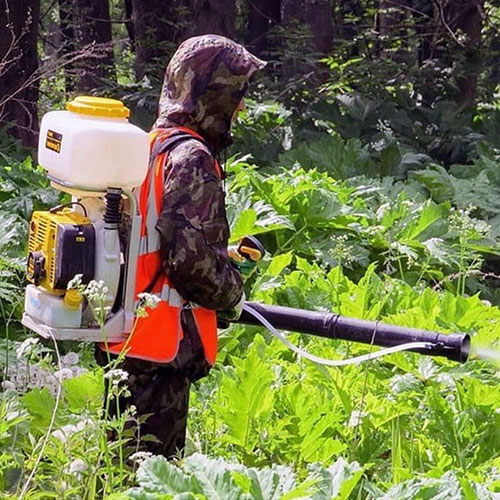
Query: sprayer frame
(120,323)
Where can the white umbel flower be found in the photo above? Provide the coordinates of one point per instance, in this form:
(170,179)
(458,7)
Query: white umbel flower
(140,456)
(116,375)
(146,301)
(76,282)
(96,291)
(71,358)
(149,299)
(78,466)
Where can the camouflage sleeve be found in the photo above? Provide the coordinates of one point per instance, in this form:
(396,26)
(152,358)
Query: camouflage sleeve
(194,230)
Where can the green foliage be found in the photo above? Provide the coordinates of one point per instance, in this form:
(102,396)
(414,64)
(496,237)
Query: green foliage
(23,188)
(380,205)
(359,221)
(199,477)
(418,417)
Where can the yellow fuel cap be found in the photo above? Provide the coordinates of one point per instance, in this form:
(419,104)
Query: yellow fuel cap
(72,299)
(98,106)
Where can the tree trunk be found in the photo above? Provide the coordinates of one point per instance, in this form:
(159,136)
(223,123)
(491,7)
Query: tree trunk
(93,34)
(129,24)
(213,16)
(18,68)
(263,15)
(465,16)
(424,23)
(346,27)
(157,30)
(317,15)
(67,41)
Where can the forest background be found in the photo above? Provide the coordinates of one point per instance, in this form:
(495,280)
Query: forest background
(368,163)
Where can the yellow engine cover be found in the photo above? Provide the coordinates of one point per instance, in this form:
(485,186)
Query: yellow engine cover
(56,240)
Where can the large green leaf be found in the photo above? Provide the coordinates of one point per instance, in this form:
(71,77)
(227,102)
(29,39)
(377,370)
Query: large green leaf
(40,404)
(158,476)
(215,478)
(85,391)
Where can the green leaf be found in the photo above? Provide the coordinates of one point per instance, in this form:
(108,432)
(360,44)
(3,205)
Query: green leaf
(246,398)
(40,404)
(271,483)
(430,215)
(279,263)
(84,391)
(157,475)
(215,478)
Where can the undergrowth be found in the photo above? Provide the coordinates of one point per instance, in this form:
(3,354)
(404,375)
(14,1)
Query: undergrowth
(368,209)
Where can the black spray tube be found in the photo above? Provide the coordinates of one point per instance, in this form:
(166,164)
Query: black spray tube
(454,346)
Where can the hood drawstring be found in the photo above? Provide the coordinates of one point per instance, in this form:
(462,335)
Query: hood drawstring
(222,159)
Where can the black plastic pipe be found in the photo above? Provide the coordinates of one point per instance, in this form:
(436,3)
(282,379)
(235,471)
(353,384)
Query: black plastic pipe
(454,346)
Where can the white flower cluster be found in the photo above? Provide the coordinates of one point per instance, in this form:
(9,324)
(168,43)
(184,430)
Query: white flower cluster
(96,291)
(462,221)
(149,299)
(65,433)
(341,250)
(140,456)
(24,375)
(76,282)
(146,301)
(378,146)
(356,418)
(116,376)
(384,126)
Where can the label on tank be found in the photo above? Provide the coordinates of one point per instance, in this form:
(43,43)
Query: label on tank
(53,141)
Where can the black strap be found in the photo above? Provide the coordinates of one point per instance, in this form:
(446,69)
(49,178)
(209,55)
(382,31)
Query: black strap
(153,282)
(174,140)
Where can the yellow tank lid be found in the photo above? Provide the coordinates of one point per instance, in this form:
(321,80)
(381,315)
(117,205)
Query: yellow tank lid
(72,299)
(98,106)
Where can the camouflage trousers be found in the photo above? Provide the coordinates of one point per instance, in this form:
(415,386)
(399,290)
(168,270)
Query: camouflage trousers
(160,393)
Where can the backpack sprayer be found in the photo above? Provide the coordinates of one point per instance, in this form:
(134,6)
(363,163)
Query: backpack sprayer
(94,154)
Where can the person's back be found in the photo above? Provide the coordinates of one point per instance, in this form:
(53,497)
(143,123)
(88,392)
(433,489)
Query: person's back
(204,85)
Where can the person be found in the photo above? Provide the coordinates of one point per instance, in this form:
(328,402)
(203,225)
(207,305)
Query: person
(203,91)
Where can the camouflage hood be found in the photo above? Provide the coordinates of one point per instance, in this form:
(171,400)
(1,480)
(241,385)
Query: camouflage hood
(204,83)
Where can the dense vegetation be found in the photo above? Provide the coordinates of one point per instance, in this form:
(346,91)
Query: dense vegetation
(373,181)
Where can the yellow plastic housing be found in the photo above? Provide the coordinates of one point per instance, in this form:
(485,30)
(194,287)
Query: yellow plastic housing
(43,237)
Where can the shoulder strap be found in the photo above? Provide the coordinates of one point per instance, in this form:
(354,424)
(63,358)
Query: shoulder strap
(164,143)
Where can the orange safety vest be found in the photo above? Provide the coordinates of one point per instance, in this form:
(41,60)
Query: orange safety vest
(157,336)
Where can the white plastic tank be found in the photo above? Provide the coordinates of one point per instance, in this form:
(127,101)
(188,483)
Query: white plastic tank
(50,309)
(93,145)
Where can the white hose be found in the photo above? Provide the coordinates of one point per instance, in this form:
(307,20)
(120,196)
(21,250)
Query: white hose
(333,362)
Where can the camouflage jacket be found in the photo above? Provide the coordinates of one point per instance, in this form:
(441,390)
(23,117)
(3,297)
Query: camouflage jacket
(204,83)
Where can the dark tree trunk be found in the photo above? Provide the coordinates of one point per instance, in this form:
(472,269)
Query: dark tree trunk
(346,28)
(317,15)
(157,31)
(128,22)
(213,16)
(465,16)
(424,23)
(18,68)
(93,34)
(67,41)
(263,15)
